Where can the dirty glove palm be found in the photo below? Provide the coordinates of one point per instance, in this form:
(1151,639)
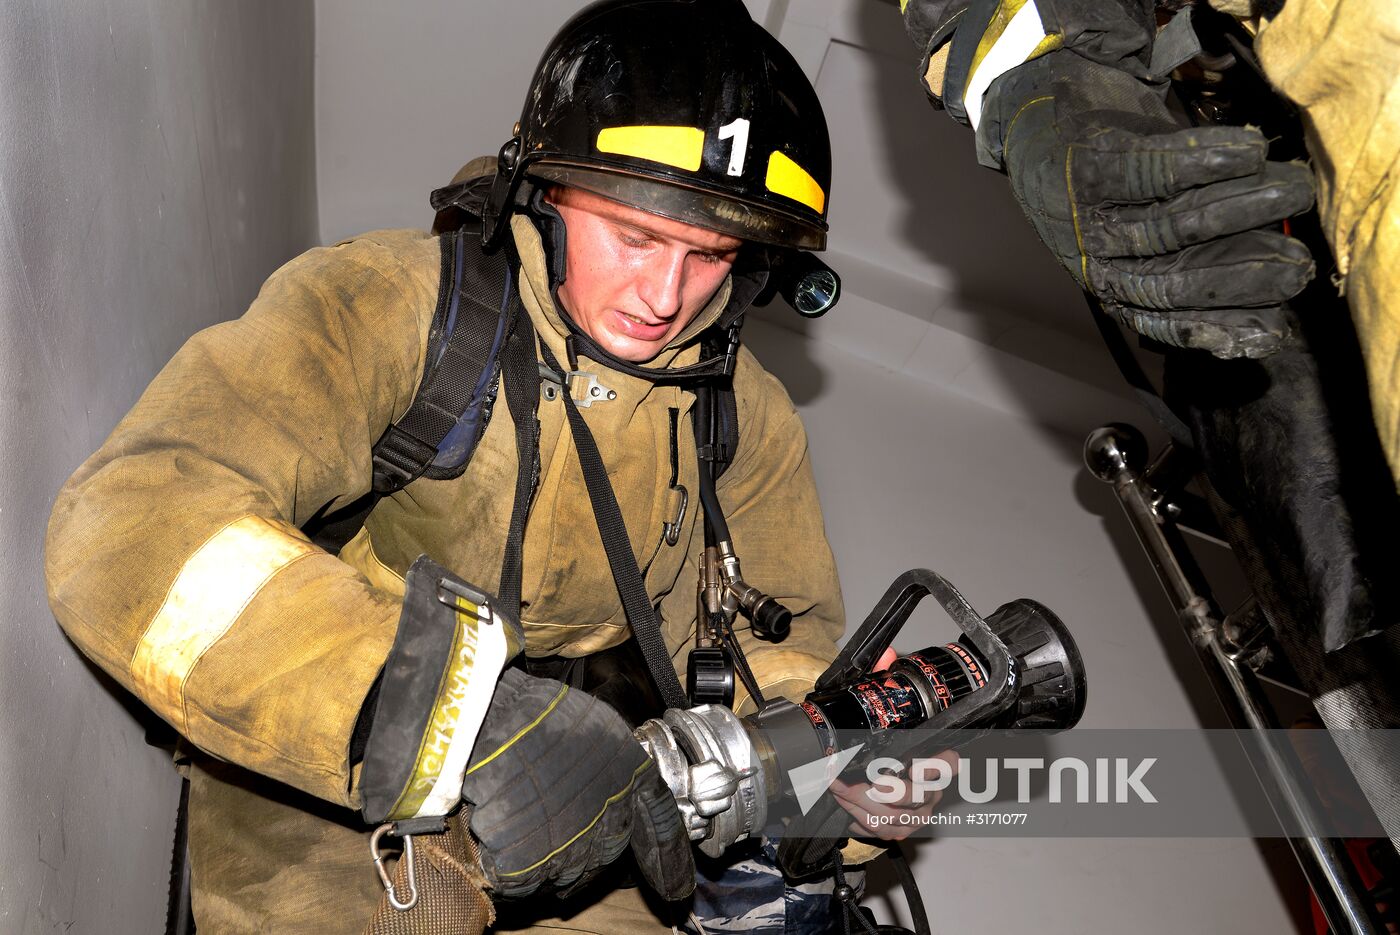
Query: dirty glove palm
(1165,226)
(560,789)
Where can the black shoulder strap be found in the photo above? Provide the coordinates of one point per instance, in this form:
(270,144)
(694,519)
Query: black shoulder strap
(520,372)
(715,414)
(476,310)
(477,313)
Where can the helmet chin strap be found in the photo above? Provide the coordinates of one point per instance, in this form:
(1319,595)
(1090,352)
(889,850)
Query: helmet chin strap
(749,280)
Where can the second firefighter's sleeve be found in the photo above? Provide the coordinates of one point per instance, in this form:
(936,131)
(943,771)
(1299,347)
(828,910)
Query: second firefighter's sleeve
(966,45)
(174,556)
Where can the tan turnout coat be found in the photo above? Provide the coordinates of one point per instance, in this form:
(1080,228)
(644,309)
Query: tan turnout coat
(175,560)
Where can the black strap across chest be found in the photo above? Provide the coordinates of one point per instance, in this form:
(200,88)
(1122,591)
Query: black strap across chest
(631,589)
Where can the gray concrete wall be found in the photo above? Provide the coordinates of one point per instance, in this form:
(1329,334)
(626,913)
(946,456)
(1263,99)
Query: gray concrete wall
(407,93)
(156,164)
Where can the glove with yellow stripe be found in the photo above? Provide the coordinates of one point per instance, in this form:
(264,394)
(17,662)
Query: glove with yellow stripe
(1169,228)
(560,790)
(559,785)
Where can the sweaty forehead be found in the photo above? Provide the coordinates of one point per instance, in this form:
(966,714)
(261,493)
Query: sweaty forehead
(578,199)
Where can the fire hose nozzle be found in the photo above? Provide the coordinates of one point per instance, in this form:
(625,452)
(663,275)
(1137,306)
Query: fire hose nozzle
(1018,668)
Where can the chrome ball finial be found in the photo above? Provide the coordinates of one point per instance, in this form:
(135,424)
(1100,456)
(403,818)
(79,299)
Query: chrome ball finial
(1114,450)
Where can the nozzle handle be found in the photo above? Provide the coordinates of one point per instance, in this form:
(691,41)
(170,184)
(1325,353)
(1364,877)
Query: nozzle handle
(887,618)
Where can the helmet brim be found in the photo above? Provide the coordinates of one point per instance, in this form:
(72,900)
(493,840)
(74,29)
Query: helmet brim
(690,204)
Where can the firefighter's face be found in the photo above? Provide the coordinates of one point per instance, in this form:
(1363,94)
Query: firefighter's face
(634,280)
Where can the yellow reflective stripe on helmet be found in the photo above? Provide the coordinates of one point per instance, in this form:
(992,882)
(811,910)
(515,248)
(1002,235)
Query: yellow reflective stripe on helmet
(786,177)
(1014,36)
(208,596)
(681,147)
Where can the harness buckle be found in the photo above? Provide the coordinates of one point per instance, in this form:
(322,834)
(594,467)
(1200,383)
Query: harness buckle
(388,828)
(582,385)
(449,590)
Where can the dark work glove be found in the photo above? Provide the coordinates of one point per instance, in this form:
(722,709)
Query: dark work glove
(560,790)
(1169,228)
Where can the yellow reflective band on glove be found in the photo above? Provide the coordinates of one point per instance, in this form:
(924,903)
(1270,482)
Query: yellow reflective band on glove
(681,147)
(1006,12)
(479,652)
(1013,37)
(786,177)
(214,586)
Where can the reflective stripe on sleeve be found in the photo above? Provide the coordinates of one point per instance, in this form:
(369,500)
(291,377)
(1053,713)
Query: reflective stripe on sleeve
(1014,37)
(207,597)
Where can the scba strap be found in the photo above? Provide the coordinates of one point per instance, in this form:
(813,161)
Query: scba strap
(435,438)
(477,341)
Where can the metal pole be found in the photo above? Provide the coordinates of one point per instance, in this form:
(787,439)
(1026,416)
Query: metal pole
(1116,455)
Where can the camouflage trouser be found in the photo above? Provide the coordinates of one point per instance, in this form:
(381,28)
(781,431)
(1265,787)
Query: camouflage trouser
(743,892)
(749,895)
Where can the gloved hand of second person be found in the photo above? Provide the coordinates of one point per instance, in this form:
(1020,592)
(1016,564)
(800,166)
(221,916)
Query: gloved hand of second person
(560,788)
(1171,229)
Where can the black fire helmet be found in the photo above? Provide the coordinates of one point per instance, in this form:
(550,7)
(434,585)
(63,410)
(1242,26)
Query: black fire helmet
(683,108)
